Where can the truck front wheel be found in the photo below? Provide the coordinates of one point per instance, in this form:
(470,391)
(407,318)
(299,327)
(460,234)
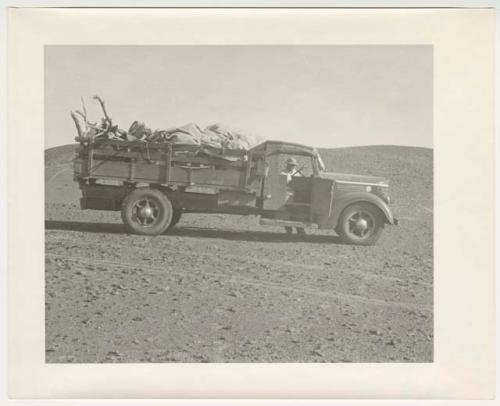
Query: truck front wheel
(146,211)
(360,224)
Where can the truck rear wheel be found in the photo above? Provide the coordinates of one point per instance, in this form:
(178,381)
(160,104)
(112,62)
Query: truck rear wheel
(146,211)
(360,224)
(176,216)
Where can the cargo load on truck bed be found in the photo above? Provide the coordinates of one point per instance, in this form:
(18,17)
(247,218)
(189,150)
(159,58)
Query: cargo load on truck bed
(216,135)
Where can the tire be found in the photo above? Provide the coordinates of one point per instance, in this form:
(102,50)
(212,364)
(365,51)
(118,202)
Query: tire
(360,224)
(146,211)
(176,216)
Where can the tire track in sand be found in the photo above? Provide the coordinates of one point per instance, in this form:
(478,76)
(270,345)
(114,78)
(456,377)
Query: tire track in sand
(251,281)
(261,261)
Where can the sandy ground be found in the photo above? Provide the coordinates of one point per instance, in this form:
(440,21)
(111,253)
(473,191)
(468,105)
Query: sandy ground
(224,289)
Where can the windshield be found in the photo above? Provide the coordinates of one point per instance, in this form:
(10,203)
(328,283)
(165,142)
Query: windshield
(321,165)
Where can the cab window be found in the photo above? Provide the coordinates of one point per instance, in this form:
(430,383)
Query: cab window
(304,164)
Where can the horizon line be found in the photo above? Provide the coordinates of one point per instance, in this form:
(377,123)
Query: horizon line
(345,146)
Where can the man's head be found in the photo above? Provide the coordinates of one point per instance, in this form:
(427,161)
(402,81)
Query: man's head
(291,164)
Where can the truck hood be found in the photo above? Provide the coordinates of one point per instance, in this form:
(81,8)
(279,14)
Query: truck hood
(353,178)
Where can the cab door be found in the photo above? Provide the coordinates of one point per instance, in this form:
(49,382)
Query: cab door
(322,193)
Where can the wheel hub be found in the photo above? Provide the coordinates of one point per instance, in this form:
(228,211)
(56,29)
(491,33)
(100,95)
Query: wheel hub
(361,225)
(146,212)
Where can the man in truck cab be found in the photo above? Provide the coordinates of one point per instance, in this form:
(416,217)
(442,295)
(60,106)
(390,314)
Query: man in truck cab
(290,171)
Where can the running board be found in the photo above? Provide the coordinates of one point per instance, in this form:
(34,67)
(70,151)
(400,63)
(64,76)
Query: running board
(284,223)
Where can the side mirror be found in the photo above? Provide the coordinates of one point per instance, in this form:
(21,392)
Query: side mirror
(262,169)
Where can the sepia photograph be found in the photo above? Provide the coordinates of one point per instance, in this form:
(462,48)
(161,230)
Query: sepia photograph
(238,204)
(251,203)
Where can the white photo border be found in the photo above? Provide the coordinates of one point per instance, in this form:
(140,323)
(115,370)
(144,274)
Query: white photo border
(464,256)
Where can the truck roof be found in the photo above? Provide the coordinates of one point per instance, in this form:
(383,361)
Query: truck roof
(286,148)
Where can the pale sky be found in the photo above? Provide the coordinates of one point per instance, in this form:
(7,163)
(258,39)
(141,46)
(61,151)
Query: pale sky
(323,96)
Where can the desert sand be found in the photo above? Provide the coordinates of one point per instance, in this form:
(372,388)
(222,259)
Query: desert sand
(221,288)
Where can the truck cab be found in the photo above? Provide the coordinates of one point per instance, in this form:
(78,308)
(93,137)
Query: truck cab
(356,206)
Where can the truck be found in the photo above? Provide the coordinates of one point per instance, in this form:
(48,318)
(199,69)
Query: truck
(153,184)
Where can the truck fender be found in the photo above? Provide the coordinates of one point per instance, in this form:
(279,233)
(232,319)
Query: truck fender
(357,197)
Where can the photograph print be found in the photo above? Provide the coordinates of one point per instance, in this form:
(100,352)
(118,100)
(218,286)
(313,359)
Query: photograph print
(239,204)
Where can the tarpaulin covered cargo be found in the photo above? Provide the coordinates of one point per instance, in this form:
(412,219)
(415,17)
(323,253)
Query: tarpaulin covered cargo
(216,135)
